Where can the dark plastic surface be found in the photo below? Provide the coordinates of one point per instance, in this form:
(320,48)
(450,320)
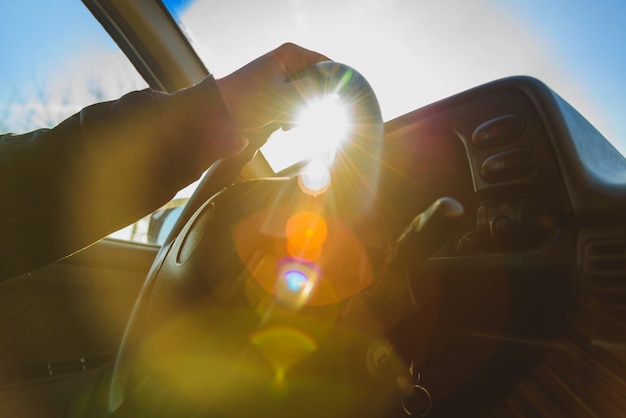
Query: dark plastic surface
(499,131)
(507,165)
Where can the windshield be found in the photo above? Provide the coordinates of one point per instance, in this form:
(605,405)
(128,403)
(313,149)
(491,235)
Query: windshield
(417,52)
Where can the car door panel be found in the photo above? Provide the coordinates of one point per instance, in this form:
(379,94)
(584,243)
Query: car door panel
(61,325)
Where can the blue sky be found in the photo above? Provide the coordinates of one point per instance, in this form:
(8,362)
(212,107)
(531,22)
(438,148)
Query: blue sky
(24,30)
(591,39)
(578,47)
(54,54)
(590,34)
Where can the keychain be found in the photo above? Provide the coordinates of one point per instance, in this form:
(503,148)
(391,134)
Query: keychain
(416,399)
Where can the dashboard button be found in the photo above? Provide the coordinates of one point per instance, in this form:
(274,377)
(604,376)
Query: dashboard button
(498,131)
(508,165)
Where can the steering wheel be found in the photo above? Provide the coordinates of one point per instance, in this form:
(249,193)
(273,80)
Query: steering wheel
(269,299)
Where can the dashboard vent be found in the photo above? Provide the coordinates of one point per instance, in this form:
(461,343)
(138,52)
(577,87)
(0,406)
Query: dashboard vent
(605,272)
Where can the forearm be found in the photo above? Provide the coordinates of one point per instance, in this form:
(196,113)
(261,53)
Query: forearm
(103,168)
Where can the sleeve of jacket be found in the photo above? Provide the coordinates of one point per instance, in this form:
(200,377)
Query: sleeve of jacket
(62,189)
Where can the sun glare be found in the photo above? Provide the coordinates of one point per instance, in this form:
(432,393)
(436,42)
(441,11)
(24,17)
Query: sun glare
(320,127)
(314,178)
(324,120)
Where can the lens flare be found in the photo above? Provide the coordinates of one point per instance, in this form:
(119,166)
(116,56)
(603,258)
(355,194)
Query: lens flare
(295,283)
(314,178)
(276,242)
(305,232)
(283,347)
(296,280)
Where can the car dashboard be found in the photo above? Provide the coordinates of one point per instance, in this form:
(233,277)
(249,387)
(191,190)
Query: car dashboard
(457,318)
(540,249)
(497,309)
(483,307)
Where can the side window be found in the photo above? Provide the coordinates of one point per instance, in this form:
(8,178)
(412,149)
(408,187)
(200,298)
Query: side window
(154,228)
(57,59)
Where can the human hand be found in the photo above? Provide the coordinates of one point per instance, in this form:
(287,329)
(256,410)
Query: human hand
(261,94)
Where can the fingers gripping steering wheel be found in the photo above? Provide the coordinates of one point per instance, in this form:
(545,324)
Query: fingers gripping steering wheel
(248,309)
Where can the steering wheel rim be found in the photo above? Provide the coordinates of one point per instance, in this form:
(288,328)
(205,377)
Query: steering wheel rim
(172,281)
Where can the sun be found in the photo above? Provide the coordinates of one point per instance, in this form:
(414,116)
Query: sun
(320,127)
